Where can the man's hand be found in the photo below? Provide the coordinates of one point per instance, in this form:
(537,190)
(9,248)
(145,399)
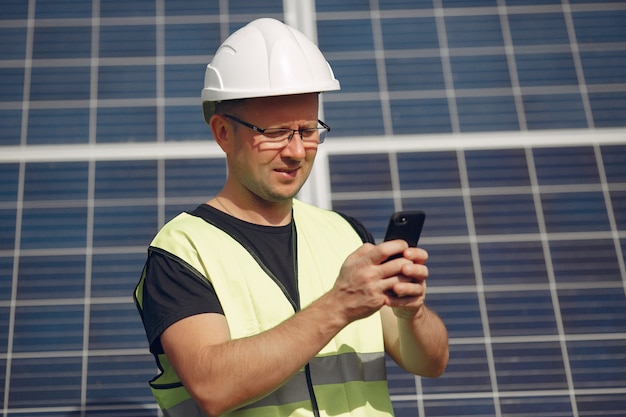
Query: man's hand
(367,281)
(408,294)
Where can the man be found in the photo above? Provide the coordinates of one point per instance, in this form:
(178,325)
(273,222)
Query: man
(256,304)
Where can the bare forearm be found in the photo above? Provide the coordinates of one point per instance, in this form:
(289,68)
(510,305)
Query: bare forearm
(423,342)
(240,371)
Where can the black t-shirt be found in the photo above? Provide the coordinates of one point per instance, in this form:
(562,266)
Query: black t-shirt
(173,291)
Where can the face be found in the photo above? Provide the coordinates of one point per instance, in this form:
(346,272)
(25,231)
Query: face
(264,172)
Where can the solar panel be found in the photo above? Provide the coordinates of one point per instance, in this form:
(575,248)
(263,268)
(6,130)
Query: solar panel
(502,119)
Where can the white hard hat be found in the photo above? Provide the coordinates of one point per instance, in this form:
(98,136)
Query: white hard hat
(265,58)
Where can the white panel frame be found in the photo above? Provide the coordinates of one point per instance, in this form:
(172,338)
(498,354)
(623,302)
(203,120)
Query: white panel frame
(333,145)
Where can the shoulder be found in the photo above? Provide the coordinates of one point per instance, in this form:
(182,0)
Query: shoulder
(184,222)
(363,232)
(318,214)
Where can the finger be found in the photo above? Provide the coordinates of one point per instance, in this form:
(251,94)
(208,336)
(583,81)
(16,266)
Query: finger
(388,286)
(404,301)
(415,272)
(417,255)
(387,249)
(409,289)
(403,286)
(364,250)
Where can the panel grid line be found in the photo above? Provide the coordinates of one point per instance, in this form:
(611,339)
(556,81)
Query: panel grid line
(20,195)
(91,181)
(578,65)
(91,192)
(545,243)
(381,71)
(160,71)
(14,282)
(611,214)
(446,65)
(28,59)
(478,276)
(512,65)
(94,71)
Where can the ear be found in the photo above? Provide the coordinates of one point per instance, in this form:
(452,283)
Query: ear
(222,132)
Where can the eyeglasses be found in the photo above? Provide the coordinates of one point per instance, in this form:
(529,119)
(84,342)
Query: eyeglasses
(311,135)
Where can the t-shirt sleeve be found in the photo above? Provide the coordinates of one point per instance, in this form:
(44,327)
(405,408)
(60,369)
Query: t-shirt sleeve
(172,291)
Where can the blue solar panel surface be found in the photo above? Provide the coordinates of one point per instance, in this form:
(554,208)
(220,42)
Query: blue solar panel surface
(526,242)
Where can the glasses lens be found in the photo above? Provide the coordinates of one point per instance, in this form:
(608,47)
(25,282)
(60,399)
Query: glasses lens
(322,135)
(313,135)
(277,135)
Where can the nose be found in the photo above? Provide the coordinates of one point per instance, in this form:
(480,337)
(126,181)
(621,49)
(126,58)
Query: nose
(295,146)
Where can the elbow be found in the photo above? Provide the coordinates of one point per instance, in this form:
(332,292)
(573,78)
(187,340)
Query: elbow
(434,371)
(428,366)
(215,400)
(213,408)
(211,402)
(437,365)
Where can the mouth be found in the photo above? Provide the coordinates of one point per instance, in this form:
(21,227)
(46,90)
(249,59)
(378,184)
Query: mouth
(290,172)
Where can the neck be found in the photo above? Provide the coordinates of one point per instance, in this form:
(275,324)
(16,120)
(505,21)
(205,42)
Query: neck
(260,212)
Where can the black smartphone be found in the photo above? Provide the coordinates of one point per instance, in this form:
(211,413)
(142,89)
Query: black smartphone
(406,225)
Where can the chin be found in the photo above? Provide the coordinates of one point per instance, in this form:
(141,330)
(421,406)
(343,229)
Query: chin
(278,197)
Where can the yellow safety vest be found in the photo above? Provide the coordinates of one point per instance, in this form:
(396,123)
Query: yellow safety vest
(348,375)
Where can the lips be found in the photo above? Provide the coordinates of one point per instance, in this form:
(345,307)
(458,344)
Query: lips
(289,174)
(287,170)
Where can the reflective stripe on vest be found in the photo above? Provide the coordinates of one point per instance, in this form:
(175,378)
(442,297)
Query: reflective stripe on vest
(187,408)
(348,375)
(368,367)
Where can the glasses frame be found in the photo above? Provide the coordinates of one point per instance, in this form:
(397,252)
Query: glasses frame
(320,130)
